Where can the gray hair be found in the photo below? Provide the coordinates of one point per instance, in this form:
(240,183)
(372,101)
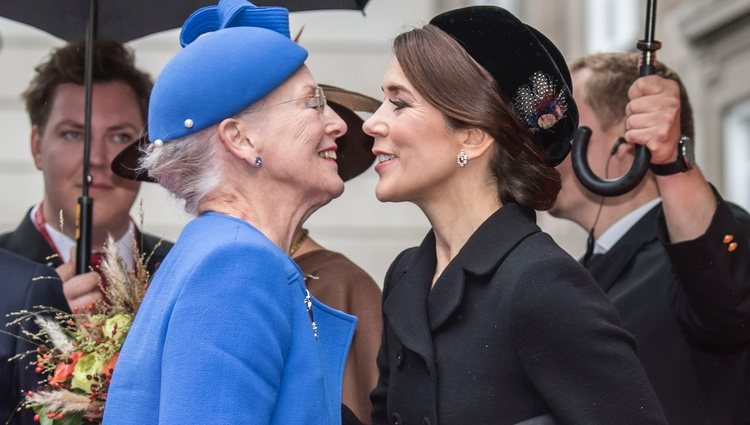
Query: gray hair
(189,167)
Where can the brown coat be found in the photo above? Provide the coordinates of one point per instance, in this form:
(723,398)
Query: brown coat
(343,285)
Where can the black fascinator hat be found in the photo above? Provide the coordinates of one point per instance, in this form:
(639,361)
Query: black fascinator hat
(527,66)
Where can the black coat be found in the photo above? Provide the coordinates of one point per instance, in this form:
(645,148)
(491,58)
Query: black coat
(688,305)
(23,284)
(514,329)
(26,241)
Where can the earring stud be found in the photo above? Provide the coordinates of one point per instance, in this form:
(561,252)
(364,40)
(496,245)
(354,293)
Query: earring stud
(258,162)
(462,159)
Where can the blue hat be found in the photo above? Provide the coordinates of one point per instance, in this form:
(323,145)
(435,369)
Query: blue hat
(246,55)
(234,13)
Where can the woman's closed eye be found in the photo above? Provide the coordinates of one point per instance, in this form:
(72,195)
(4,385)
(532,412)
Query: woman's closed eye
(399,104)
(317,100)
(311,102)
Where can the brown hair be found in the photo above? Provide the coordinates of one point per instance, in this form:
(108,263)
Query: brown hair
(607,88)
(469,97)
(112,62)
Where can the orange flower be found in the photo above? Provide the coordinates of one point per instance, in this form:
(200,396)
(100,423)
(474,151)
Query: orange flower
(65,369)
(109,365)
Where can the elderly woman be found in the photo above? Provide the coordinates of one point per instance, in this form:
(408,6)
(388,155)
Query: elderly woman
(228,332)
(489,321)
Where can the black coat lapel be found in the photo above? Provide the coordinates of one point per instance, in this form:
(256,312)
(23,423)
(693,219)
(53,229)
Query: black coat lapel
(26,241)
(610,266)
(405,306)
(482,255)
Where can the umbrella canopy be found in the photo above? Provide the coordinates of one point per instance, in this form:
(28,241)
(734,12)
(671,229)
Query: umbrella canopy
(127,20)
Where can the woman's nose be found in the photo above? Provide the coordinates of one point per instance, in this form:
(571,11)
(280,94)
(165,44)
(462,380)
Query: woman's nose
(336,125)
(375,126)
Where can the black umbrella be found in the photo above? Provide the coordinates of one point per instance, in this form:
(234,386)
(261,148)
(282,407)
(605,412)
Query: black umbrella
(126,20)
(123,21)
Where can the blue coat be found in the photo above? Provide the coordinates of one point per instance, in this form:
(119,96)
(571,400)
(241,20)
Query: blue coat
(224,336)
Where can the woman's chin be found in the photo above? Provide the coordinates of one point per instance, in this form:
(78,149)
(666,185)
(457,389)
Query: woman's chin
(334,190)
(338,191)
(386,195)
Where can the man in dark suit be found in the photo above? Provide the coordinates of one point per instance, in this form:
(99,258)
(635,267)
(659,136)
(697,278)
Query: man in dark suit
(24,284)
(672,255)
(55,102)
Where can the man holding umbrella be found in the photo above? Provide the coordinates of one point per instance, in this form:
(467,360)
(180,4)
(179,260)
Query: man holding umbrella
(55,104)
(671,254)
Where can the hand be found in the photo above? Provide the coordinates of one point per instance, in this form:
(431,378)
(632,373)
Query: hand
(81,290)
(652,117)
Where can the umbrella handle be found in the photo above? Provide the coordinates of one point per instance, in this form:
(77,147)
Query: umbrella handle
(602,187)
(648,47)
(84,211)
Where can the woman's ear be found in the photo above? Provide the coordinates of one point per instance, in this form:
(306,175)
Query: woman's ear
(235,138)
(475,142)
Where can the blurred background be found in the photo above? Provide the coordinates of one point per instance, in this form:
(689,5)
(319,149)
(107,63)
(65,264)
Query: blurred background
(706,41)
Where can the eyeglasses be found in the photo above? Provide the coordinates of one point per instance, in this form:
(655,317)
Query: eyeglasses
(317,101)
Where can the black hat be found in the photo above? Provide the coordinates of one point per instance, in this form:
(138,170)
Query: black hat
(354,153)
(527,66)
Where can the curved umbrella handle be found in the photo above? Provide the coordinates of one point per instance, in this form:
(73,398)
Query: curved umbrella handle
(602,187)
(633,177)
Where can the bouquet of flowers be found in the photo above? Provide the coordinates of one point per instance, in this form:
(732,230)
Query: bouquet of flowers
(77,351)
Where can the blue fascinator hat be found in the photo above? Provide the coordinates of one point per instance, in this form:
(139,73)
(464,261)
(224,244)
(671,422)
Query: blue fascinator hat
(233,55)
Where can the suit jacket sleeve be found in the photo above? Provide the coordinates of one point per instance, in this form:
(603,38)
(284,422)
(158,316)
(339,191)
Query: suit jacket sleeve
(713,272)
(24,285)
(573,350)
(205,341)
(45,289)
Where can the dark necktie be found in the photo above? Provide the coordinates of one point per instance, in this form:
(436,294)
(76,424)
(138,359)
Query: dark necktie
(590,259)
(593,262)
(589,248)
(96,261)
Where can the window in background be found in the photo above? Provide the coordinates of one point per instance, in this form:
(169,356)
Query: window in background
(736,146)
(612,25)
